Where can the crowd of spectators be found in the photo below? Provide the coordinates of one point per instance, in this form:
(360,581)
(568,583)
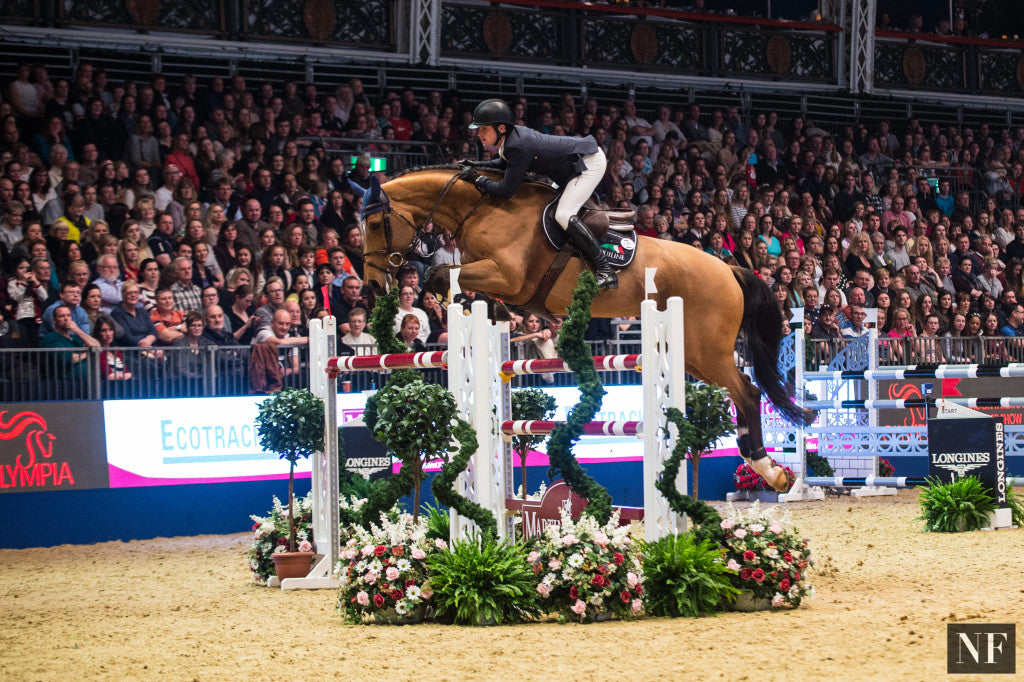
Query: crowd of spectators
(156,215)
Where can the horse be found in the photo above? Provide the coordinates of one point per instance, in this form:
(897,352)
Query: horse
(504,255)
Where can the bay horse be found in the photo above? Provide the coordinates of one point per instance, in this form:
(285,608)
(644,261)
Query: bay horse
(505,255)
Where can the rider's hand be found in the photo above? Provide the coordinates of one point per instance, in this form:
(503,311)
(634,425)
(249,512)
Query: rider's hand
(469,175)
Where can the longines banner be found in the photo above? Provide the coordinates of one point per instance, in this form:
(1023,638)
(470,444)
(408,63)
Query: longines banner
(52,446)
(964,442)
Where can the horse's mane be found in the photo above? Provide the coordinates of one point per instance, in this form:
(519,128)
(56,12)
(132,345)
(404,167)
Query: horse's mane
(417,169)
(531,178)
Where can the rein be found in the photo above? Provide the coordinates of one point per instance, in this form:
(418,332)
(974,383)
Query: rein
(393,258)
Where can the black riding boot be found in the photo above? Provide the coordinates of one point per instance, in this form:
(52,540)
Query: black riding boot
(593,253)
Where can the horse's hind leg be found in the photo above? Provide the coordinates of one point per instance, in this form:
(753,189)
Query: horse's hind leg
(749,439)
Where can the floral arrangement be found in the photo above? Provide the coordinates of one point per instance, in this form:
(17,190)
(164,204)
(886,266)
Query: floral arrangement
(384,570)
(768,557)
(270,535)
(748,479)
(587,569)
(885,467)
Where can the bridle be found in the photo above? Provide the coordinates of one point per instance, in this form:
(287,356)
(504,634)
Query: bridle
(393,258)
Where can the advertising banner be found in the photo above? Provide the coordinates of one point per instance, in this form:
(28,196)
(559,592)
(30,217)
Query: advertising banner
(983,387)
(196,440)
(52,446)
(965,442)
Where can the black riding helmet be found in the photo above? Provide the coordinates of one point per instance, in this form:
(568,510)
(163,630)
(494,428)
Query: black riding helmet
(492,112)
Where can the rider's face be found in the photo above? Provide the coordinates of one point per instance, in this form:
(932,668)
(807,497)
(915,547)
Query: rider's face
(488,136)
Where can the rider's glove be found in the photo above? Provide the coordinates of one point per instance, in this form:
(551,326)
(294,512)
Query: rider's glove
(469,175)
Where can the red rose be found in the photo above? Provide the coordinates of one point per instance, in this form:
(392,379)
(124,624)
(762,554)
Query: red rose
(379,550)
(784,585)
(625,596)
(597,581)
(398,550)
(796,575)
(378,600)
(757,575)
(282,541)
(745,574)
(639,589)
(397,594)
(256,525)
(618,558)
(774,574)
(749,555)
(410,582)
(788,557)
(574,593)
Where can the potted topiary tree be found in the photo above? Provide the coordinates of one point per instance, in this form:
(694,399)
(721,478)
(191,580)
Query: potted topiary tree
(291,423)
(530,404)
(707,412)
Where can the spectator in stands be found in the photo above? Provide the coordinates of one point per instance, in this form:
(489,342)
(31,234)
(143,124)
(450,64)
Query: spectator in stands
(161,243)
(143,150)
(406,299)
(137,328)
(109,282)
(70,296)
(356,337)
(112,366)
(187,296)
(167,320)
(67,334)
(409,332)
(287,346)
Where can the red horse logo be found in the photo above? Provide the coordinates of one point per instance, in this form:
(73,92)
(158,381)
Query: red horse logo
(38,440)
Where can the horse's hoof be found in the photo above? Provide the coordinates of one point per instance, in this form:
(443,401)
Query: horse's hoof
(783,481)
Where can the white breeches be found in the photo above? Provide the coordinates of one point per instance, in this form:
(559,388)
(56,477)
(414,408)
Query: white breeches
(579,189)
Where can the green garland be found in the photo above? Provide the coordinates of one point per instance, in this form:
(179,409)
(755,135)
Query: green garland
(444,483)
(382,326)
(572,348)
(701,514)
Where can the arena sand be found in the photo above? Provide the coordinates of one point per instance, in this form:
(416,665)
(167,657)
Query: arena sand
(186,608)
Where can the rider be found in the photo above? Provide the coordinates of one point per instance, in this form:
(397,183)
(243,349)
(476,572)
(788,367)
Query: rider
(576,164)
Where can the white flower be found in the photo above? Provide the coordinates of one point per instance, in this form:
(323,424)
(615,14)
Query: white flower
(280,549)
(376,566)
(778,600)
(576,560)
(597,599)
(401,609)
(403,565)
(757,528)
(412,592)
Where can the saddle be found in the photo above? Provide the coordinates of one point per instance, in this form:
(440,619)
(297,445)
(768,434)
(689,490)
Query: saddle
(613,230)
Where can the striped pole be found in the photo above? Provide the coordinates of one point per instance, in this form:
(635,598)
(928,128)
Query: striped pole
(899,404)
(886,481)
(1012,370)
(544,366)
(540,428)
(437,358)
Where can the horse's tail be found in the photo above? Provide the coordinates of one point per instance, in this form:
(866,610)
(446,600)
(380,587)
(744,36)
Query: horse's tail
(762,323)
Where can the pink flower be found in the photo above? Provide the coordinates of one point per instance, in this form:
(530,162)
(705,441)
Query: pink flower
(398,550)
(440,544)
(350,553)
(418,553)
(351,541)
(569,540)
(391,573)
(305,546)
(426,592)
(533,556)
(778,600)
(362,598)
(727,523)
(775,528)
(732,565)
(600,538)
(554,564)
(740,533)
(371,577)
(579,607)
(631,579)
(367,550)
(544,589)
(637,605)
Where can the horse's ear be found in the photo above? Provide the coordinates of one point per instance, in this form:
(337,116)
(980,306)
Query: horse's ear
(357,188)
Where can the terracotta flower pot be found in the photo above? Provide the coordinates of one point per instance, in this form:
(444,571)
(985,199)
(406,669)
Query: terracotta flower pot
(292,564)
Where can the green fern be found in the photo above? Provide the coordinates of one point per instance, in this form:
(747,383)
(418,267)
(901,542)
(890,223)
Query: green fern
(962,505)
(684,578)
(438,522)
(477,583)
(1016,505)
